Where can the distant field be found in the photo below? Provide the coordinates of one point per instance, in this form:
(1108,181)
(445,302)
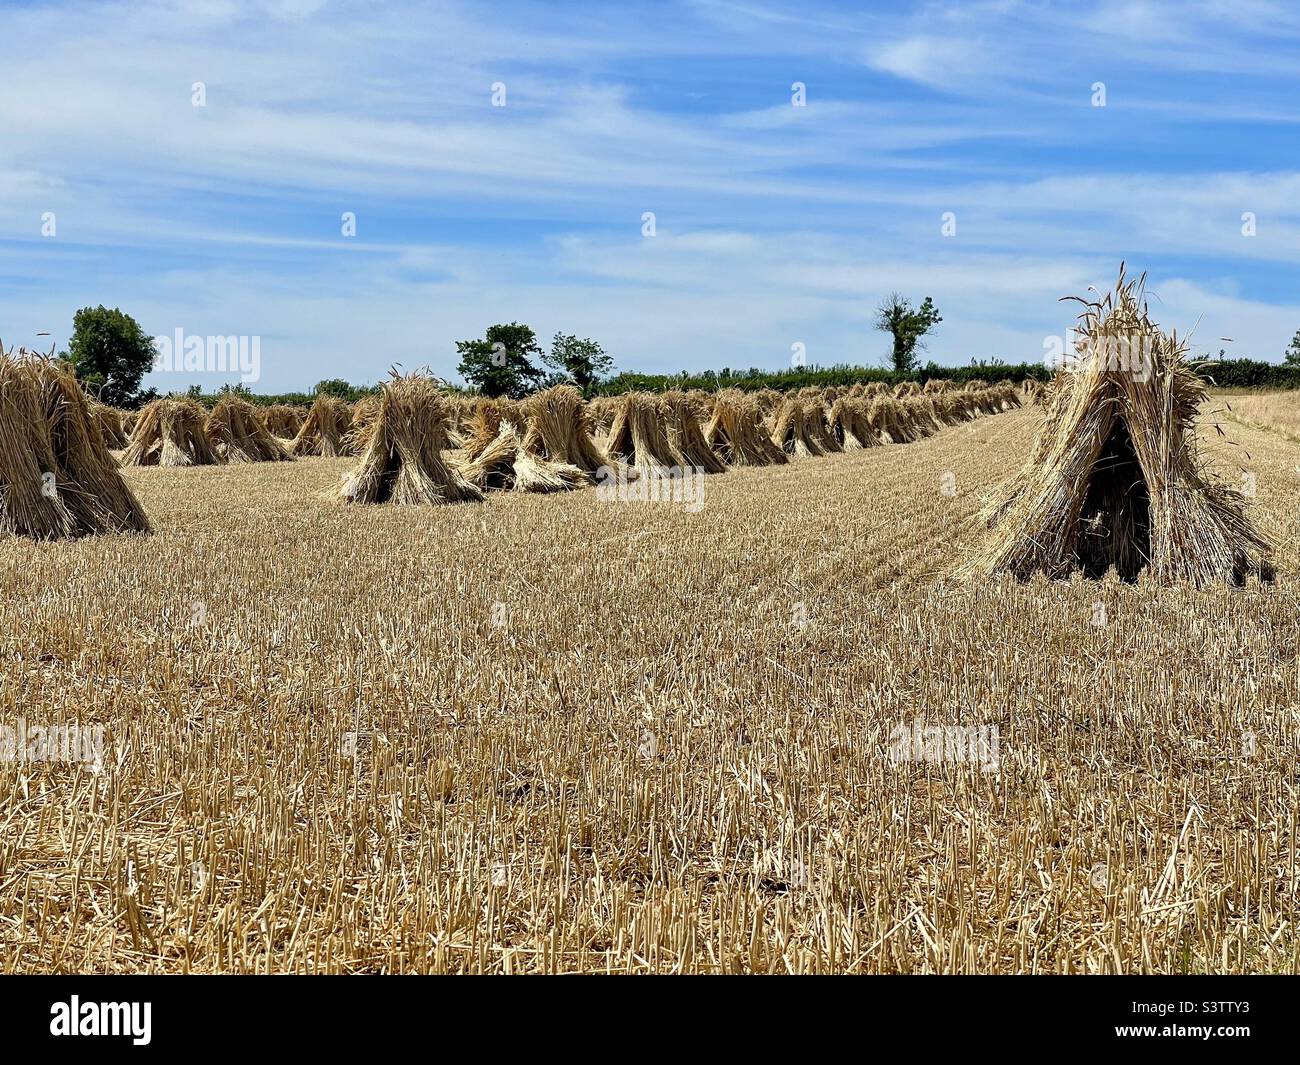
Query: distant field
(593,736)
(1278,411)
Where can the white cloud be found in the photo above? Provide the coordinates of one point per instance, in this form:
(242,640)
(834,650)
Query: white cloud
(938,61)
(776,223)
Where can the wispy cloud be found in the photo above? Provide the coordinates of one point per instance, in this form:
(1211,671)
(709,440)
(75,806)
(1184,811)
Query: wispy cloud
(776,223)
(932,60)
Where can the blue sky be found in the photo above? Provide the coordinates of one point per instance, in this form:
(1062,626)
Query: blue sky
(775,224)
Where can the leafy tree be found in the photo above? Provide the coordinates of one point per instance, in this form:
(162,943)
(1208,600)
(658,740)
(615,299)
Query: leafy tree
(907,325)
(581,360)
(1292,354)
(334,386)
(501,363)
(110,353)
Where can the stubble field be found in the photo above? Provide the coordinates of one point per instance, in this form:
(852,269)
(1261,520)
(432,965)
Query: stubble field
(551,733)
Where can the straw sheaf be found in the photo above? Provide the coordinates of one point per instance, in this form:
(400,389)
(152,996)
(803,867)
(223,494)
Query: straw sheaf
(737,433)
(1009,395)
(284,420)
(850,425)
(463,411)
(238,435)
(58,476)
(1116,478)
(325,430)
(558,429)
(485,428)
(686,436)
(401,454)
(639,434)
(601,411)
(109,422)
(953,407)
(534,446)
(701,403)
(800,428)
(923,414)
(171,432)
(890,421)
(505,465)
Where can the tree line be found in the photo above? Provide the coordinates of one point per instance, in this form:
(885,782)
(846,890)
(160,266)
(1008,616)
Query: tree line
(111,353)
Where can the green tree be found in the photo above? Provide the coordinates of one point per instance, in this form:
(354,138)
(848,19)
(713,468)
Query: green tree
(334,386)
(1292,354)
(501,363)
(581,360)
(907,325)
(110,353)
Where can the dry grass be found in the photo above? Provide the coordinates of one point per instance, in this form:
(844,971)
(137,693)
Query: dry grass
(1275,411)
(639,434)
(593,736)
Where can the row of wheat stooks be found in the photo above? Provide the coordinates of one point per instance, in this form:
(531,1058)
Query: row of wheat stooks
(62,478)
(551,441)
(1114,479)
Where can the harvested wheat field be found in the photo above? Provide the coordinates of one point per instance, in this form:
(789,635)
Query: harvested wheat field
(552,733)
